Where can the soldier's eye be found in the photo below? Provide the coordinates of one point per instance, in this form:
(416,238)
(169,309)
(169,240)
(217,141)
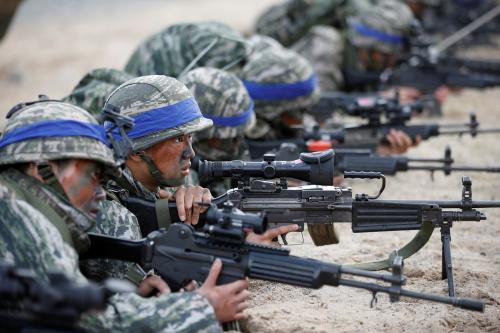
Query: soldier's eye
(179,139)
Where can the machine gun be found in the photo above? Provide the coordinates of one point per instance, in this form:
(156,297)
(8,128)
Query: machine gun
(428,68)
(31,305)
(180,254)
(364,106)
(324,205)
(420,73)
(364,160)
(366,136)
(341,159)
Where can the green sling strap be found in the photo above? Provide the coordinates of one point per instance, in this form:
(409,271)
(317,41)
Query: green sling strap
(412,247)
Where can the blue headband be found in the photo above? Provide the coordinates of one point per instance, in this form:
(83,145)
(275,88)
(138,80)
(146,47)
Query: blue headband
(281,91)
(378,35)
(160,119)
(233,121)
(54,128)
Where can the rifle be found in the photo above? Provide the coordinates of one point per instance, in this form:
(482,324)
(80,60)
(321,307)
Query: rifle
(341,159)
(32,305)
(180,254)
(426,69)
(364,106)
(363,160)
(366,136)
(324,205)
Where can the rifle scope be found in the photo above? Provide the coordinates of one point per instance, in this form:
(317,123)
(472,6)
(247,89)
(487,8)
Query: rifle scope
(231,222)
(316,168)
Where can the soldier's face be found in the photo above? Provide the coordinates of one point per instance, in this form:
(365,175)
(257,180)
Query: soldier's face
(173,156)
(376,60)
(81,180)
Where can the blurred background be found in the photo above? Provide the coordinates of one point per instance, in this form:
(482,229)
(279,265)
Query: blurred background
(51,44)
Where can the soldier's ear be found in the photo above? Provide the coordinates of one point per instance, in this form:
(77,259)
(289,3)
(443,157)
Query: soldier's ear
(134,156)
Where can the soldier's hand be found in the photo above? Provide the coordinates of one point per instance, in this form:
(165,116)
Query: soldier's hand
(187,199)
(268,236)
(153,285)
(399,143)
(229,300)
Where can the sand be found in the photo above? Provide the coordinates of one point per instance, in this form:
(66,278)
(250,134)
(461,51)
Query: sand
(52,44)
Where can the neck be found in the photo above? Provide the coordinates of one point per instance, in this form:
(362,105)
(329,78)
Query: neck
(141,174)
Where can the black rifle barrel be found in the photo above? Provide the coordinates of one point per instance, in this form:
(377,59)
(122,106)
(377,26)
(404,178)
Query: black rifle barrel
(446,203)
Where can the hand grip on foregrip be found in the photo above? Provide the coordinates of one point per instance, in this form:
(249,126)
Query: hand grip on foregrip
(363,174)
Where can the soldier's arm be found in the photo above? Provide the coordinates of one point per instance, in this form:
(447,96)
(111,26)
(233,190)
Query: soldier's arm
(28,239)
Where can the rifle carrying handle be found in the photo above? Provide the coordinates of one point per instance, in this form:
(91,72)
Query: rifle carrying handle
(367,175)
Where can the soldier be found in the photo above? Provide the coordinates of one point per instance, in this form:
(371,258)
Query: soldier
(166,115)
(222,97)
(418,7)
(372,41)
(91,92)
(54,156)
(181,47)
(283,85)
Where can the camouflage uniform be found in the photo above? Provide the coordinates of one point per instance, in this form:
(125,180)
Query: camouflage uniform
(170,51)
(289,21)
(115,220)
(91,92)
(40,230)
(269,77)
(331,48)
(222,97)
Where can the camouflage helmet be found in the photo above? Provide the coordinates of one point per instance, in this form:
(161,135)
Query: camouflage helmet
(288,21)
(91,92)
(172,50)
(279,80)
(161,106)
(222,97)
(259,43)
(51,130)
(384,27)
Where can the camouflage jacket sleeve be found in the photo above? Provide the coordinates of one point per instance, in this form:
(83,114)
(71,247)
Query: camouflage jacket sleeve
(28,239)
(116,221)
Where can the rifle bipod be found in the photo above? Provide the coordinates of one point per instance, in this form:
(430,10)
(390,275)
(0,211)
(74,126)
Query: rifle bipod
(445,229)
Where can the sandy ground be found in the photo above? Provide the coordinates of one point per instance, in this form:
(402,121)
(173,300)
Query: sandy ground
(52,44)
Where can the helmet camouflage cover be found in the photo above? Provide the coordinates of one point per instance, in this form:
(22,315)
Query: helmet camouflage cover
(279,80)
(161,106)
(383,26)
(170,51)
(287,22)
(53,130)
(222,97)
(91,92)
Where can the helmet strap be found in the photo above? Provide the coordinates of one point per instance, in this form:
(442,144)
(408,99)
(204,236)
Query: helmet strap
(45,171)
(156,173)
